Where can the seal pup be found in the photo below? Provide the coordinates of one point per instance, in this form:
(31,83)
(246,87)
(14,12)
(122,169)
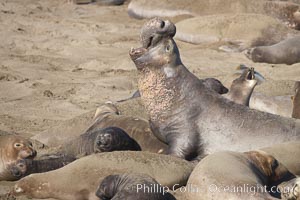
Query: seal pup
(137,128)
(290,190)
(237,176)
(13,148)
(284,52)
(132,186)
(296,101)
(190,118)
(79,179)
(114,139)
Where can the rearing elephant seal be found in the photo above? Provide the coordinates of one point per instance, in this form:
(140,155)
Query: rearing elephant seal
(241,88)
(296,101)
(13,149)
(192,119)
(284,52)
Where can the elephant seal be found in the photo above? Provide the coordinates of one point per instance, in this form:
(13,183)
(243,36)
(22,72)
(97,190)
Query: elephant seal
(283,11)
(287,154)
(290,190)
(79,179)
(284,52)
(114,139)
(237,176)
(137,128)
(132,186)
(13,149)
(296,101)
(241,88)
(190,118)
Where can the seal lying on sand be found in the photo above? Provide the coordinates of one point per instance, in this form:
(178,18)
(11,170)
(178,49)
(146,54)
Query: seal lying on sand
(192,119)
(13,149)
(237,176)
(284,11)
(137,128)
(80,179)
(296,101)
(279,105)
(114,139)
(290,190)
(132,186)
(287,154)
(284,52)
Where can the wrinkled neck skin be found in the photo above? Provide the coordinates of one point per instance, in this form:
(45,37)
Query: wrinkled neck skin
(4,171)
(161,90)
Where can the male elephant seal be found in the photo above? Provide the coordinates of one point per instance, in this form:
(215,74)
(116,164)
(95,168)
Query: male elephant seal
(284,52)
(237,176)
(296,101)
(290,190)
(132,186)
(137,128)
(79,179)
(192,119)
(13,149)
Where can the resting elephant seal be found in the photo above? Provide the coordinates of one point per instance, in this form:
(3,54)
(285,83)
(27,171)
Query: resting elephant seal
(13,149)
(192,119)
(237,176)
(132,186)
(80,179)
(296,101)
(137,128)
(284,52)
(114,139)
(290,190)
(287,154)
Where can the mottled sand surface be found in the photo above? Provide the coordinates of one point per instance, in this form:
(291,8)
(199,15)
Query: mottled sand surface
(59,61)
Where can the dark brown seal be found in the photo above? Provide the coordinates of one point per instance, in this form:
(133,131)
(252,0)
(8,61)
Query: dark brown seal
(237,176)
(296,101)
(114,139)
(13,149)
(284,52)
(137,128)
(192,119)
(132,186)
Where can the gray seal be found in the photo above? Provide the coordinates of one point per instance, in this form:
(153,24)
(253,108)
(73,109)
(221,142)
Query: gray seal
(192,119)
(284,52)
